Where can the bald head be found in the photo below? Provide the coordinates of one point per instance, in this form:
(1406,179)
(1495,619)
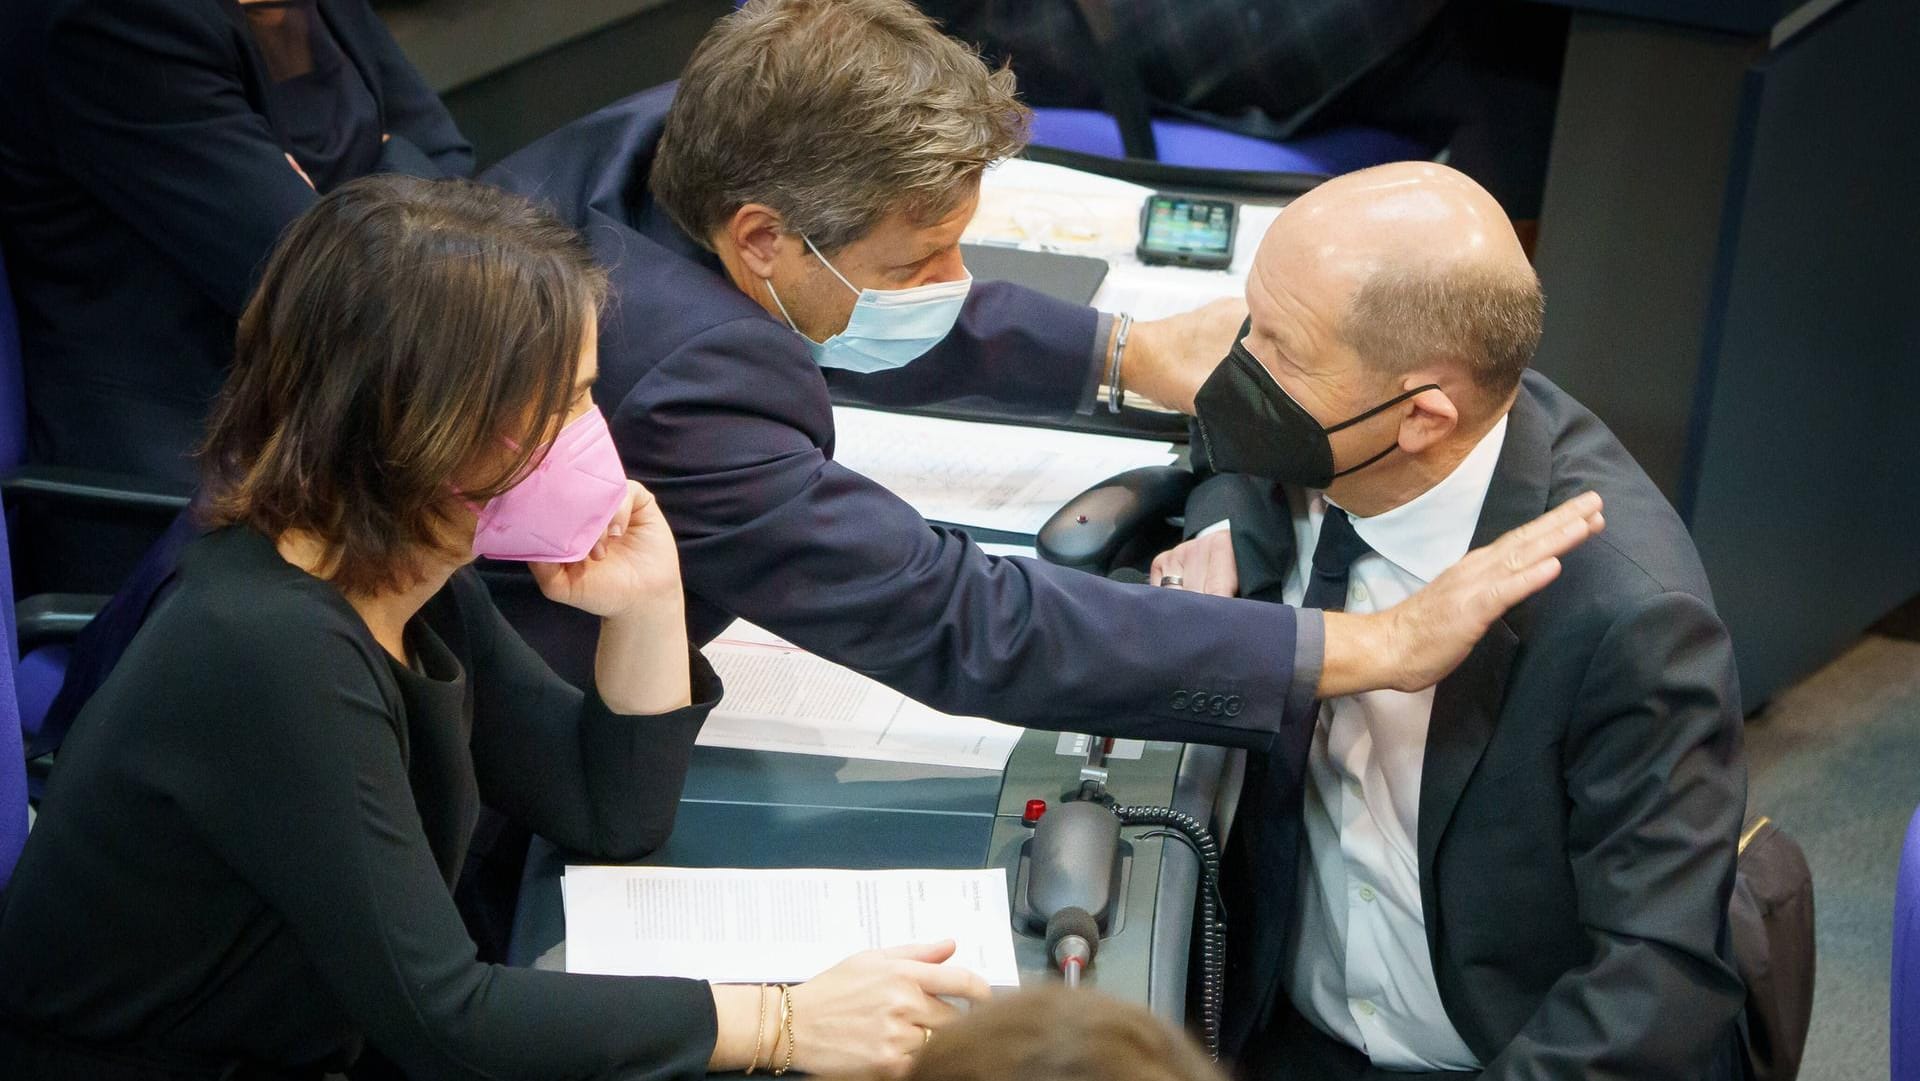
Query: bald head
(1411,266)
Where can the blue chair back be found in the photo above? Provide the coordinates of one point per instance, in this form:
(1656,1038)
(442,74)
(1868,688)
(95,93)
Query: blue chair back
(1182,142)
(13,762)
(1904,1028)
(13,445)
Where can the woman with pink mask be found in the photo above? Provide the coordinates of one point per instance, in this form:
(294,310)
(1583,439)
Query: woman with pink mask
(242,869)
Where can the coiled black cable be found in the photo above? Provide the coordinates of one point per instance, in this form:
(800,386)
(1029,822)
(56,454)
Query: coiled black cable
(1213,934)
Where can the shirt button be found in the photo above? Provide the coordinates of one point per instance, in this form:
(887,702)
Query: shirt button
(1358,594)
(1365,1008)
(1366,893)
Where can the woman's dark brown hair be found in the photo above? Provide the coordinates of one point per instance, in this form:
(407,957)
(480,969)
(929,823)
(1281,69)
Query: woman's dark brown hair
(1059,1035)
(406,334)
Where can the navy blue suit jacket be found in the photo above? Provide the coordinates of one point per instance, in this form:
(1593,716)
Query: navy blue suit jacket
(719,409)
(143,182)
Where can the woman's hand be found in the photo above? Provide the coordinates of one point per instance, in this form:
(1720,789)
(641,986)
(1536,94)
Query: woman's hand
(634,566)
(868,1015)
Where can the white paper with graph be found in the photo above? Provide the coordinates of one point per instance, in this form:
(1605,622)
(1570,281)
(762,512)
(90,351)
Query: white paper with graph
(779,697)
(779,926)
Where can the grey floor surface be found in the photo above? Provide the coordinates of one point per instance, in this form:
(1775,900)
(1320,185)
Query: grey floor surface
(1836,762)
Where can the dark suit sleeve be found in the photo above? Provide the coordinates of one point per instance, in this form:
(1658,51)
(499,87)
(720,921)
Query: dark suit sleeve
(730,433)
(413,111)
(1657,788)
(1259,513)
(561,763)
(1012,346)
(310,803)
(151,118)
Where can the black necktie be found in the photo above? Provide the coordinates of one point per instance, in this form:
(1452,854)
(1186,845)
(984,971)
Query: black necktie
(1333,558)
(1265,844)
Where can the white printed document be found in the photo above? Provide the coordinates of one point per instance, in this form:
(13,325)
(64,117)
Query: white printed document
(779,697)
(993,476)
(784,926)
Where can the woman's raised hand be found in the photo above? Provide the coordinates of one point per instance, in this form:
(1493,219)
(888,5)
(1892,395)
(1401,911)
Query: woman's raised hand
(634,566)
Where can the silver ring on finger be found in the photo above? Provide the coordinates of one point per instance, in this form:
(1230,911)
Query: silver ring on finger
(1172,581)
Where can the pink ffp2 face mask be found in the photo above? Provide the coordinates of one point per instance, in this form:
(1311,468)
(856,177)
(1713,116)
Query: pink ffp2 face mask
(561,508)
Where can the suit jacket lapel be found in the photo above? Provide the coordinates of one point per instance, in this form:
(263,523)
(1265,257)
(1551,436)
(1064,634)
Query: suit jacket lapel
(1466,705)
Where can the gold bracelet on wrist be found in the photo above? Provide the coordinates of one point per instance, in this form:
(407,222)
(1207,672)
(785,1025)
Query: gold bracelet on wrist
(786,1022)
(760,1034)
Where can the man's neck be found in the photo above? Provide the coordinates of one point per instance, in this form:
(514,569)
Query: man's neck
(1399,479)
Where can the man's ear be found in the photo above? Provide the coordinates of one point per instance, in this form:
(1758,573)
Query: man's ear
(1433,418)
(755,231)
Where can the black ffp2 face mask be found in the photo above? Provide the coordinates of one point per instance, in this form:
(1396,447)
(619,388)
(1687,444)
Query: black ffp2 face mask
(1249,424)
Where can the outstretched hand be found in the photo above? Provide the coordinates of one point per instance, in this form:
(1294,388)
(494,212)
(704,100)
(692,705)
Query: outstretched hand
(1418,642)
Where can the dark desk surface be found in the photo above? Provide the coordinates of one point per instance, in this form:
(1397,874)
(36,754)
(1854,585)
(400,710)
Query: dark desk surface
(754,809)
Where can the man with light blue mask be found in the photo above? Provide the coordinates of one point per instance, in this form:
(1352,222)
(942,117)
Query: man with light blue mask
(785,222)
(889,327)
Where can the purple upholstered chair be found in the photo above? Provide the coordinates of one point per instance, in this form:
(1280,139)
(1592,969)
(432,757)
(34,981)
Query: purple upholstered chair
(1904,1030)
(1182,142)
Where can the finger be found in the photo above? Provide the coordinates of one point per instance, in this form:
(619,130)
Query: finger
(931,1013)
(950,980)
(1221,581)
(1153,568)
(623,516)
(931,953)
(1554,533)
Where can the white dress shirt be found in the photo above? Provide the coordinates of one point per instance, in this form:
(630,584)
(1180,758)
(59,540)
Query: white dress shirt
(1359,968)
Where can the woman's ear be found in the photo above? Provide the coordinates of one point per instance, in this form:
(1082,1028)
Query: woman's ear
(755,231)
(1433,418)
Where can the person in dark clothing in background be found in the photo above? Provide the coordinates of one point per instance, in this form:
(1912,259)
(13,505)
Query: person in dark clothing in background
(151,152)
(242,869)
(1478,78)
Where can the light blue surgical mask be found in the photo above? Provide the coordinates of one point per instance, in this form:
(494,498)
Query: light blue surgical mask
(889,328)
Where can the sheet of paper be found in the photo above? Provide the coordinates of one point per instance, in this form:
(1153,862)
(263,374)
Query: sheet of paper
(782,926)
(782,698)
(993,476)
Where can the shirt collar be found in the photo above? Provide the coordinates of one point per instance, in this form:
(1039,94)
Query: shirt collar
(1430,533)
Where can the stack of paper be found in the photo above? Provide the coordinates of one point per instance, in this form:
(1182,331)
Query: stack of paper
(782,698)
(993,476)
(785,926)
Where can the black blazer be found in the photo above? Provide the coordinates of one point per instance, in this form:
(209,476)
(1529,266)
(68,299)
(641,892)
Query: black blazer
(720,410)
(143,181)
(1583,786)
(245,860)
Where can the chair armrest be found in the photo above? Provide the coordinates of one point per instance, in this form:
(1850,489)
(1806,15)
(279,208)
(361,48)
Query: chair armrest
(95,488)
(1093,526)
(52,618)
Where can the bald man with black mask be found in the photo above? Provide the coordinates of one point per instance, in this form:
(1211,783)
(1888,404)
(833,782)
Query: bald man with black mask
(1524,872)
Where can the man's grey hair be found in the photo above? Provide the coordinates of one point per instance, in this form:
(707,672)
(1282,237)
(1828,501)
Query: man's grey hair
(1484,319)
(835,113)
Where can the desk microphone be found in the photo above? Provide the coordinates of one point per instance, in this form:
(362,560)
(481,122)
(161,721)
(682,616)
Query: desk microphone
(1072,938)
